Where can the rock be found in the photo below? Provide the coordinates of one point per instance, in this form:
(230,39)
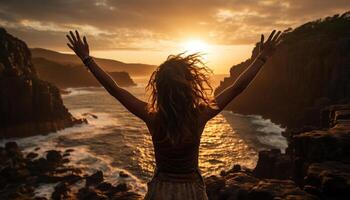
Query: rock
(90,194)
(283,189)
(69,150)
(31,155)
(89,115)
(242,185)
(21,91)
(126,196)
(214,185)
(105,186)
(60,192)
(66,155)
(236,168)
(273,164)
(13,150)
(122,174)
(331,177)
(54,157)
(20,176)
(121,187)
(95,178)
(321,145)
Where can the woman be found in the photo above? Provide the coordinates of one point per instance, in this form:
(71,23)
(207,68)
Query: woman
(177,111)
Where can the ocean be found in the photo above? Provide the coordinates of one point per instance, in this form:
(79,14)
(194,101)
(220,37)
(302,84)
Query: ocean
(114,140)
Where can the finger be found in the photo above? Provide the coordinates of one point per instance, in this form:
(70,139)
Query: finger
(261,41)
(78,36)
(70,40)
(280,38)
(271,35)
(85,42)
(72,36)
(70,46)
(276,36)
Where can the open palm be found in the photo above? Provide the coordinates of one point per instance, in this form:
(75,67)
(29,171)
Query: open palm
(80,47)
(268,47)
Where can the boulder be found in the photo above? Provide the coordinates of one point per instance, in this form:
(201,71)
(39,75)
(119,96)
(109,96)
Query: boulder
(95,178)
(331,178)
(274,164)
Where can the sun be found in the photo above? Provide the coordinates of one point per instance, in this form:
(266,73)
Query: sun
(195,46)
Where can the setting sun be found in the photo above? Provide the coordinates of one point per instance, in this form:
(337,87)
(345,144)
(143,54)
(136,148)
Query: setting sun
(196,46)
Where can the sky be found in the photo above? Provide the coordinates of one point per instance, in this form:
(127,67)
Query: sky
(147,31)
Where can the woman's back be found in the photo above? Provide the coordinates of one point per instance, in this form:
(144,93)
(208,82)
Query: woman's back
(177,158)
(177,175)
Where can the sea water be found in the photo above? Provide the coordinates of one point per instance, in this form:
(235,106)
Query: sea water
(115,140)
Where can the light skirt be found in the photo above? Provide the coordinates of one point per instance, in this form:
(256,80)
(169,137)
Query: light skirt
(169,186)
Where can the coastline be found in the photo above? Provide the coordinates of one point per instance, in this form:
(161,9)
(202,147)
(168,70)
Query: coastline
(316,165)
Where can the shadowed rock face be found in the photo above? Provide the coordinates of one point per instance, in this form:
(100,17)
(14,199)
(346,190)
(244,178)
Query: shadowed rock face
(28,105)
(310,70)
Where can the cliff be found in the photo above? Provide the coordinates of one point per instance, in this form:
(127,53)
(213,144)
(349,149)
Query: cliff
(28,105)
(134,69)
(310,70)
(68,75)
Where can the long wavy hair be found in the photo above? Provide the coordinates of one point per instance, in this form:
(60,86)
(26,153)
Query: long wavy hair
(178,90)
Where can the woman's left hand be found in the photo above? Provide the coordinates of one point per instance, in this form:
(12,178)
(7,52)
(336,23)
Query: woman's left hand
(80,47)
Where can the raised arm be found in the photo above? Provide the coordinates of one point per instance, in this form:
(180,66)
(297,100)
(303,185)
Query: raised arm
(266,49)
(133,104)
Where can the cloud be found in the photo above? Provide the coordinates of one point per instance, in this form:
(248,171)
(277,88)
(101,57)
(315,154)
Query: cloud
(151,24)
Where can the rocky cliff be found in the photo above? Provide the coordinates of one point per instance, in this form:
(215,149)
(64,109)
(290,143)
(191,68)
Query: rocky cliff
(310,70)
(28,105)
(66,75)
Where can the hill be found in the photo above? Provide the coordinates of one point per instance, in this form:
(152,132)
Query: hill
(134,69)
(310,70)
(68,75)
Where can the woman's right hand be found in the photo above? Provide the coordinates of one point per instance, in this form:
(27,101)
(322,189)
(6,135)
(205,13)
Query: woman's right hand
(80,48)
(268,48)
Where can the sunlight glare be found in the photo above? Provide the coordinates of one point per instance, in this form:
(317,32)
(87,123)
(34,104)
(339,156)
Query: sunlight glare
(196,46)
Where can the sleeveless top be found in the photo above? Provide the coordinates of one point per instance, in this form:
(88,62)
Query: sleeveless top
(181,158)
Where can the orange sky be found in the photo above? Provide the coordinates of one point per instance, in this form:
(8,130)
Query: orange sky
(147,31)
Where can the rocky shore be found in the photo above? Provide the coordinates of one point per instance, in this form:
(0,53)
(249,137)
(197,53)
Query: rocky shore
(28,105)
(316,165)
(22,174)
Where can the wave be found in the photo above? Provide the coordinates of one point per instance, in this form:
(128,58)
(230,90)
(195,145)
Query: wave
(81,156)
(78,91)
(265,132)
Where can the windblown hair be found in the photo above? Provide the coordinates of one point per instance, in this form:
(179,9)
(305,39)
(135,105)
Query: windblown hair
(179,89)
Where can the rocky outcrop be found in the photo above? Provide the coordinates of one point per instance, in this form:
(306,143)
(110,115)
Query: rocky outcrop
(66,75)
(316,165)
(242,185)
(20,175)
(310,70)
(28,105)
